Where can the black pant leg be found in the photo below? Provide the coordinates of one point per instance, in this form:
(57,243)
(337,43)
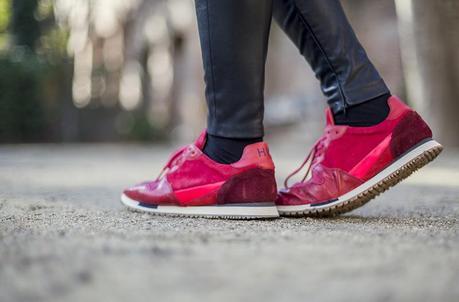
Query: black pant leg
(234,40)
(323,35)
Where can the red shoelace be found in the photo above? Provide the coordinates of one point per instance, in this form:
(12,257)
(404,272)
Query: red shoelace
(317,150)
(177,158)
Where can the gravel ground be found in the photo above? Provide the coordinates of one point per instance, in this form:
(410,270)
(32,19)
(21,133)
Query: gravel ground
(65,237)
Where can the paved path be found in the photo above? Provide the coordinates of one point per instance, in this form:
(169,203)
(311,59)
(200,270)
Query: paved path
(65,237)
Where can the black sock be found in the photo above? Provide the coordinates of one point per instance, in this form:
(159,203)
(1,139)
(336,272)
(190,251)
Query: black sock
(227,150)
(365,114)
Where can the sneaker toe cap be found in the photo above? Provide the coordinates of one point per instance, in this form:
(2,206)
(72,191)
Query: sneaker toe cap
(151,192)
(288,197)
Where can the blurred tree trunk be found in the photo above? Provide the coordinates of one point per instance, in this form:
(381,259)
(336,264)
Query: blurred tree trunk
(24,25)
(429,34)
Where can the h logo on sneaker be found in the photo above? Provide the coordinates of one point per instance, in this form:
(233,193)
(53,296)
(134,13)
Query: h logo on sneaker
(262,152)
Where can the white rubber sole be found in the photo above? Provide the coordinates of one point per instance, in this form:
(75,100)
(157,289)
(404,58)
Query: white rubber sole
(390,176)
(236,211)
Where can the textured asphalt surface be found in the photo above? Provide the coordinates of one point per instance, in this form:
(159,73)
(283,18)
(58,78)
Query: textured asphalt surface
(65,237)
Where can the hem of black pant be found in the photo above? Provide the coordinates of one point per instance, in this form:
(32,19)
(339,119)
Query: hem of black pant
(238,131)
(359,95)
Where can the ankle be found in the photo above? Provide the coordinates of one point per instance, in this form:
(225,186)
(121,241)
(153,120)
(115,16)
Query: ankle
(227,150)
(366,114)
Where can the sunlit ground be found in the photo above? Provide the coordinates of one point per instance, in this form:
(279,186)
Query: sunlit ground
(64,236)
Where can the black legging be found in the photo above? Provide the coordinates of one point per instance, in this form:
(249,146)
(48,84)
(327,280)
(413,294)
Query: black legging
(234,39)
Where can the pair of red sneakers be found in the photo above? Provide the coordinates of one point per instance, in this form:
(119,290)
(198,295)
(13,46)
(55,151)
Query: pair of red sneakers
(347,167)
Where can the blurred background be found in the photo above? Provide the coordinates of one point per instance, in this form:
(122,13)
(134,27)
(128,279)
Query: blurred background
(131,70)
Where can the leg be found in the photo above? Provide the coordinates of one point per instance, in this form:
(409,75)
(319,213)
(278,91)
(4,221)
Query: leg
(384,140)
(195,181)
(323,35)
(234,39)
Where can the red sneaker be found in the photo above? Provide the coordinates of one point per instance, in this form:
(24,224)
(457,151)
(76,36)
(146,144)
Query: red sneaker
(351,165)
(192,184)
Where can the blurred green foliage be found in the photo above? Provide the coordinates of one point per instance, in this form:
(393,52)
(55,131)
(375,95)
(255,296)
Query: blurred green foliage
(31,52)
(143,130)
(4,21)
(21,114)
(4,14)
(24,27)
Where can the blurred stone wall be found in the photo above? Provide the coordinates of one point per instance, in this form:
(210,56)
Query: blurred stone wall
(138,69)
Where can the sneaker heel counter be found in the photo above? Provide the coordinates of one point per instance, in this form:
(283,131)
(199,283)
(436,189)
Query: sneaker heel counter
(256,154)
(254,185)
(411,130)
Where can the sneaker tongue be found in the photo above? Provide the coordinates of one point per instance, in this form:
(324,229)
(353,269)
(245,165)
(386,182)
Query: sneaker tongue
(329,117)
(201,140)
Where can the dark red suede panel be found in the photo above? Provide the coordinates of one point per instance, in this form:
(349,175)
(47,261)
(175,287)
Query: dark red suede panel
(254,185)
(409,131)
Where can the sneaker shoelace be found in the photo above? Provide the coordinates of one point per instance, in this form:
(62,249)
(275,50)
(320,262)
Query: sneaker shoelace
(176,159)
(316,152)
